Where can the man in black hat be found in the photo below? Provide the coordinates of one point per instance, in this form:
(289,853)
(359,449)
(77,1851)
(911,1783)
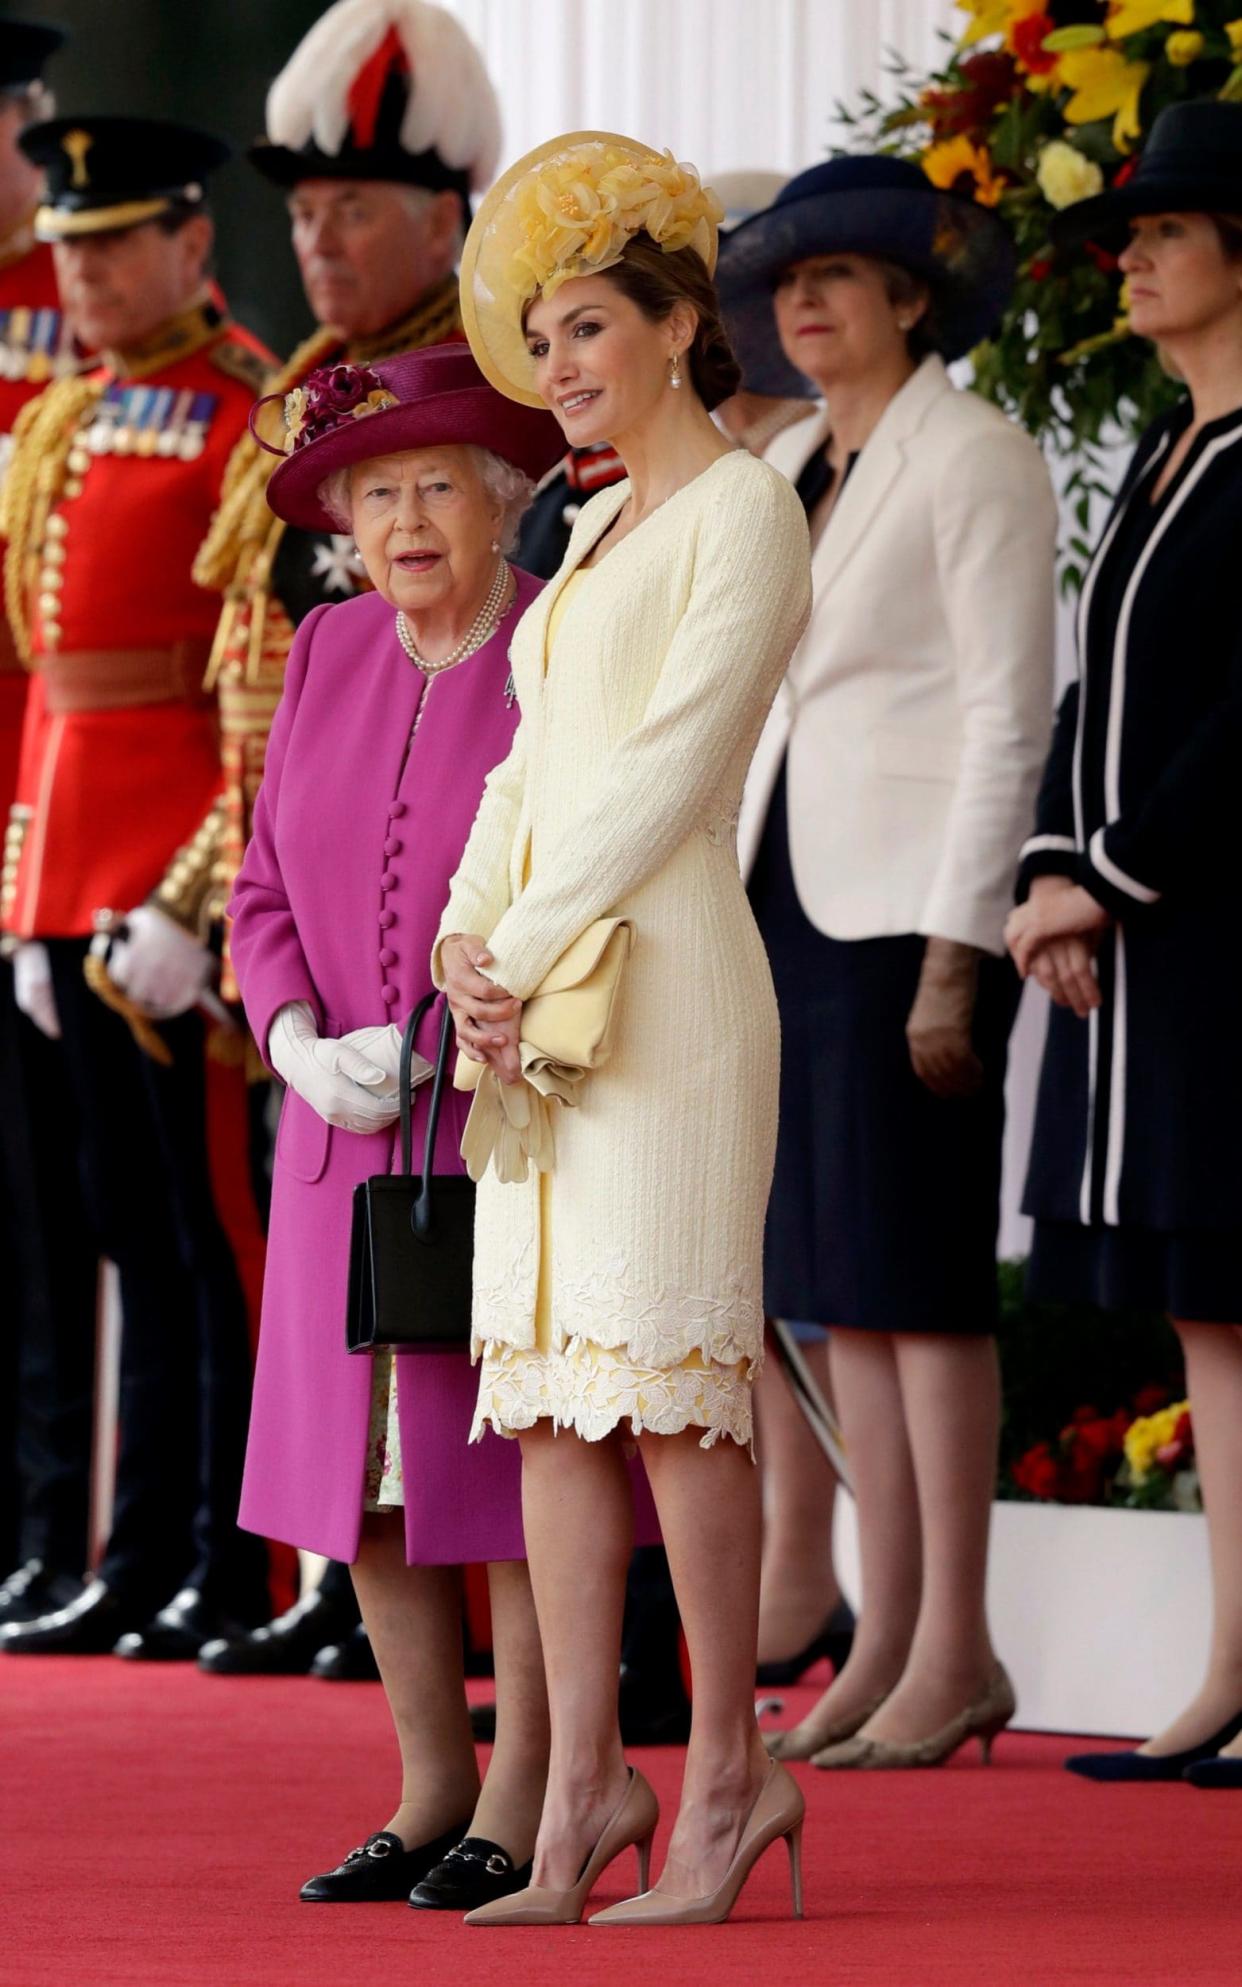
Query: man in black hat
(113,478)
(45,1384)
(378,128)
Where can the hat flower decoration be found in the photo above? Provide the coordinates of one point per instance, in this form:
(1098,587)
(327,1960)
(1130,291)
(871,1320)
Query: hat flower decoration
(578,214)
(570,208)
(1040,107)
(330,395)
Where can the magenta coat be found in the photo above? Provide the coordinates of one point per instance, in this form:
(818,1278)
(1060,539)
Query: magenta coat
(337,904)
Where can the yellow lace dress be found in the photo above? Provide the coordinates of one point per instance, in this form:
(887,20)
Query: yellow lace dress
(589,1388)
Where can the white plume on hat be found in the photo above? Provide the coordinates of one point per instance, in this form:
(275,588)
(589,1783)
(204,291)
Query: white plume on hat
(452,106)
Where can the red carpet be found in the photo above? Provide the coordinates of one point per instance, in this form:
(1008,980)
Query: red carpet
(157,1824)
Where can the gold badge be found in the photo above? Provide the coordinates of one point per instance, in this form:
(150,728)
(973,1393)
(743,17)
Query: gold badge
(76,144)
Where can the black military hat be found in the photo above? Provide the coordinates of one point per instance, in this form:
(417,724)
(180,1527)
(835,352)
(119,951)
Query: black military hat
(116,172)
(24,48)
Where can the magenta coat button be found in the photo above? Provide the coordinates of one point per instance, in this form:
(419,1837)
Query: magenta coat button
(392,846)
(388,994)
(396,810)
(388,881)
(387,919)
(388,957)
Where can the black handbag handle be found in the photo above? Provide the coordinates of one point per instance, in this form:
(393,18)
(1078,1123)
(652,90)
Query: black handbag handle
(421,1213)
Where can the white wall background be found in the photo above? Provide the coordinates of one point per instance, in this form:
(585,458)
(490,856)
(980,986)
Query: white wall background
(723,83)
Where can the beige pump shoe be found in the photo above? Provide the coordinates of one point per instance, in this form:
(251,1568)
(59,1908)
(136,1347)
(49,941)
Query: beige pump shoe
(794,1744)
(776,1815)
(991,1711)
(632,1826)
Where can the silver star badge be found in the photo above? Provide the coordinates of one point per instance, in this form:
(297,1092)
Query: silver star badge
(336,563)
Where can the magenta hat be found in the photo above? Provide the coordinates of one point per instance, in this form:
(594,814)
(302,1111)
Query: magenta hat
(347,413)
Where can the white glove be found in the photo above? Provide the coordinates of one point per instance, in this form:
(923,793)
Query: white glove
(344,1086)
(33,990)
(382,1046)
(158,964)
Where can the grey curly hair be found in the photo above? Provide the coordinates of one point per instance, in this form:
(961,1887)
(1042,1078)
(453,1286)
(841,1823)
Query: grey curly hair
(511,489)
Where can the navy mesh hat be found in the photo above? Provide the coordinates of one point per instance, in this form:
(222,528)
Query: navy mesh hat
(863,206)
(1191,164)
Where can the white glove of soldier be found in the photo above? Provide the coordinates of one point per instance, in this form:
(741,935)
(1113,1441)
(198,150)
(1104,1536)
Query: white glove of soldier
(382,1046)
(158,964)
(345,1087)
(33,990)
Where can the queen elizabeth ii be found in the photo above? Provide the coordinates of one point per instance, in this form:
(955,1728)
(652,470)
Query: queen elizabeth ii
(396,706)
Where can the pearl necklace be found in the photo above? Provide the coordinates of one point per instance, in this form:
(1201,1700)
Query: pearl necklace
(481,630)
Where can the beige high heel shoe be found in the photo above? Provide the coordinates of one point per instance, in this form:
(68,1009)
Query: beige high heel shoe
(777,1815)
(991,1711)
(632,1826)
(789,1747)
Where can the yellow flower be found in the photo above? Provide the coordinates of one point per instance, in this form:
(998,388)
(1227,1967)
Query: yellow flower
(375,403)
(949,162)
(1234,31)
(577,214)
(1065,176)
(1104,84)
(1148,1434)
(1184,47)
(989,17)
(1132,16)
(295,416)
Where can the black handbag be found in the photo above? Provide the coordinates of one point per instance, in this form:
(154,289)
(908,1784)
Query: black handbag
(412,1245)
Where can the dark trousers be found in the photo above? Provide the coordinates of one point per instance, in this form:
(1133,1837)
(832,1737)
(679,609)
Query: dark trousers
(49,1264)
(185,1355)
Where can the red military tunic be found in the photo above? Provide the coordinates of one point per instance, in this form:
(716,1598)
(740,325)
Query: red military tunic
(35,348)
(120,752)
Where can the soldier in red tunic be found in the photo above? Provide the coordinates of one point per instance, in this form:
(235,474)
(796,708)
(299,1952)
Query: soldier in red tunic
(111,484)
(48,1259)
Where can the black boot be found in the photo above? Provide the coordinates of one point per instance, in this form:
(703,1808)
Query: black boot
(35,1590)
(89,1626)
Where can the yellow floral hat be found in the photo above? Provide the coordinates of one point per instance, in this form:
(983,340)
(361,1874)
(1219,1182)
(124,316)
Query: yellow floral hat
(568,209)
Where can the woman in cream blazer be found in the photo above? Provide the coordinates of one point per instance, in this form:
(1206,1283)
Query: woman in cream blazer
(618,1297)
(883,819)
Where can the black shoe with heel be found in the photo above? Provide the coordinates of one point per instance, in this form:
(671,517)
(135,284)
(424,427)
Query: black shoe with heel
(1122,1766)
(381,1871)
(834,1640)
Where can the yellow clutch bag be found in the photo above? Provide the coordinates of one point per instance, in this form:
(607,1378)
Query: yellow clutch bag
(566,1032)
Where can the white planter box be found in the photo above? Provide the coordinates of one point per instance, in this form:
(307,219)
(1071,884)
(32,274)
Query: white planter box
(1102,1617)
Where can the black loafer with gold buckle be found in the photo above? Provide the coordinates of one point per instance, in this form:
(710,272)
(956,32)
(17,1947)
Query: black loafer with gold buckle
(380,1872)
(474,1872)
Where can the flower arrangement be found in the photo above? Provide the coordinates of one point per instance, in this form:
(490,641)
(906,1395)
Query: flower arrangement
(328,396)
(1141,1457)
(1040,104)
(576,213)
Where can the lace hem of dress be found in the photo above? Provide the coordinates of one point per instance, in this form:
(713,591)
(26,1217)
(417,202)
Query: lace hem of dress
(655,1329)
(593,1389)
(383,1485)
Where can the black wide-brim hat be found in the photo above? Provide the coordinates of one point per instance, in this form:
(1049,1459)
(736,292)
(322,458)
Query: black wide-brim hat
(432,398)
(1191,164)
(863,206)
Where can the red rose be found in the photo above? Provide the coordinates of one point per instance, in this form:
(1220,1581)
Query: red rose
(1040,269)
(1099,1438)
(1036,1471)
(989,79)
(1149,1400)
(1028,44)
(1184,1431)
(1170,1454)
(1107,263)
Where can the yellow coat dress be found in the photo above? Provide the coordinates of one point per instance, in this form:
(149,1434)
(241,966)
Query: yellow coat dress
(629,1292)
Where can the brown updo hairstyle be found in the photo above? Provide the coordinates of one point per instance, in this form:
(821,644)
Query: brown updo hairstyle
(654,282)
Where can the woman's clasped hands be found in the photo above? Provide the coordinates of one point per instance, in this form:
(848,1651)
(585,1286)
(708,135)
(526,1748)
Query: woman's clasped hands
(350,1081)
(1053,938)
(486,1016)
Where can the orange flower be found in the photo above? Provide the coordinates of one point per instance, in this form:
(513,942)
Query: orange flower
(956,161)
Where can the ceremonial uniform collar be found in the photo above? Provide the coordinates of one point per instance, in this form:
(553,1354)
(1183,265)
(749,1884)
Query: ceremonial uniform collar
(176,339)
(419,328)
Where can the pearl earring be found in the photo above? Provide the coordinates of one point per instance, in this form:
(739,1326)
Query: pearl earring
(674,377)
(495,545)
